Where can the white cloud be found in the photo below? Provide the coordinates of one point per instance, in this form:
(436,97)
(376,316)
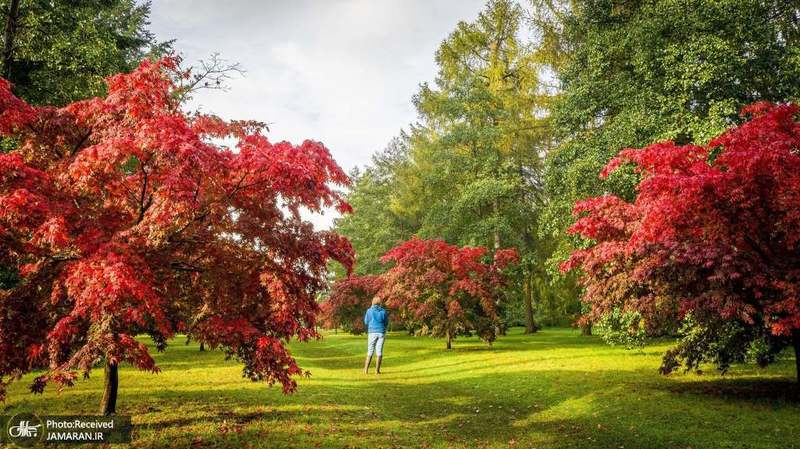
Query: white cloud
(338,71)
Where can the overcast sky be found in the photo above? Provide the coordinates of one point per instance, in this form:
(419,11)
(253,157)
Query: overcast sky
(339,71)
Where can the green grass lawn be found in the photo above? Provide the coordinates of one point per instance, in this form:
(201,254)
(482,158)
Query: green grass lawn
(554,389)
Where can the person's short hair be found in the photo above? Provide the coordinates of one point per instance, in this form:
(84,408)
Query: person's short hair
(377,300)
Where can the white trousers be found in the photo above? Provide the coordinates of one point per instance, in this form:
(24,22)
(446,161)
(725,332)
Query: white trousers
(375,343)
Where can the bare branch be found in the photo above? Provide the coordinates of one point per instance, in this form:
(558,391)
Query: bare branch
(212,74)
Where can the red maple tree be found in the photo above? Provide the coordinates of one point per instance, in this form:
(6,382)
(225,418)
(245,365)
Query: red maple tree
(348,301)
(443,290)
(711,239)
(126,216)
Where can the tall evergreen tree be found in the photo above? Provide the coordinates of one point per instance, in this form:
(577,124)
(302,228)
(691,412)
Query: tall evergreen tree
(477,152)
(377,225)
(470,168)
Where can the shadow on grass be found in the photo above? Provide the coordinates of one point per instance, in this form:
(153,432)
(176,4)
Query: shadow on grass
(480,411)
(459,402)
(742,389)
(556,408)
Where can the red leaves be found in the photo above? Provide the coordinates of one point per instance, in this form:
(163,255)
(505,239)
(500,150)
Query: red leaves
(444,289)
(348,300)
(272,362)
(124,219)
(227,331)
(300,174)
(663,158)
(114,282)
(126,348)
(62,379)
(144,93)
(338,247)
(14,113)
(608,217)
(504,258)
(53,233)
(454,310)
(713,228)
(756,109)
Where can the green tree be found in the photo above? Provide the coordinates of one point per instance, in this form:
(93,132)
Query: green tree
(470,170)
(376,225)
(634,72)
(474,176)
(57,52)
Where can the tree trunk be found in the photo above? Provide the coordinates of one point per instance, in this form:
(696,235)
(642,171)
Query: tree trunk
(108,405)
(530,326)
(527,296)
(202,346)
(9,35)
(586,330)
(796,343)
(449,340)
(496,209)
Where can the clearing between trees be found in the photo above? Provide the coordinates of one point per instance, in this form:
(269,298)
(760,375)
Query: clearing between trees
(553,389)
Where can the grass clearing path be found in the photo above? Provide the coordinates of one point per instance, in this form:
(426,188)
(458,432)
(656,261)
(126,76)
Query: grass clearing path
(553,389)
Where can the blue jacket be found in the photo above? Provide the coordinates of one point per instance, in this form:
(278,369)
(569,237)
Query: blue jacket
(376,319)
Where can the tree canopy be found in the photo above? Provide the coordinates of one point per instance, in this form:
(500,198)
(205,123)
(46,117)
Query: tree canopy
(632,73)
(348,299)
(125,215)
(710,241)
(57,52)
(445,291)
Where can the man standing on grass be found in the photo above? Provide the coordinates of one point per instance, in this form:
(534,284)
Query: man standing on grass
(376,320)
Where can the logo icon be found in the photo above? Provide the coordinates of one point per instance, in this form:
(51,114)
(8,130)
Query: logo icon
(25,429)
